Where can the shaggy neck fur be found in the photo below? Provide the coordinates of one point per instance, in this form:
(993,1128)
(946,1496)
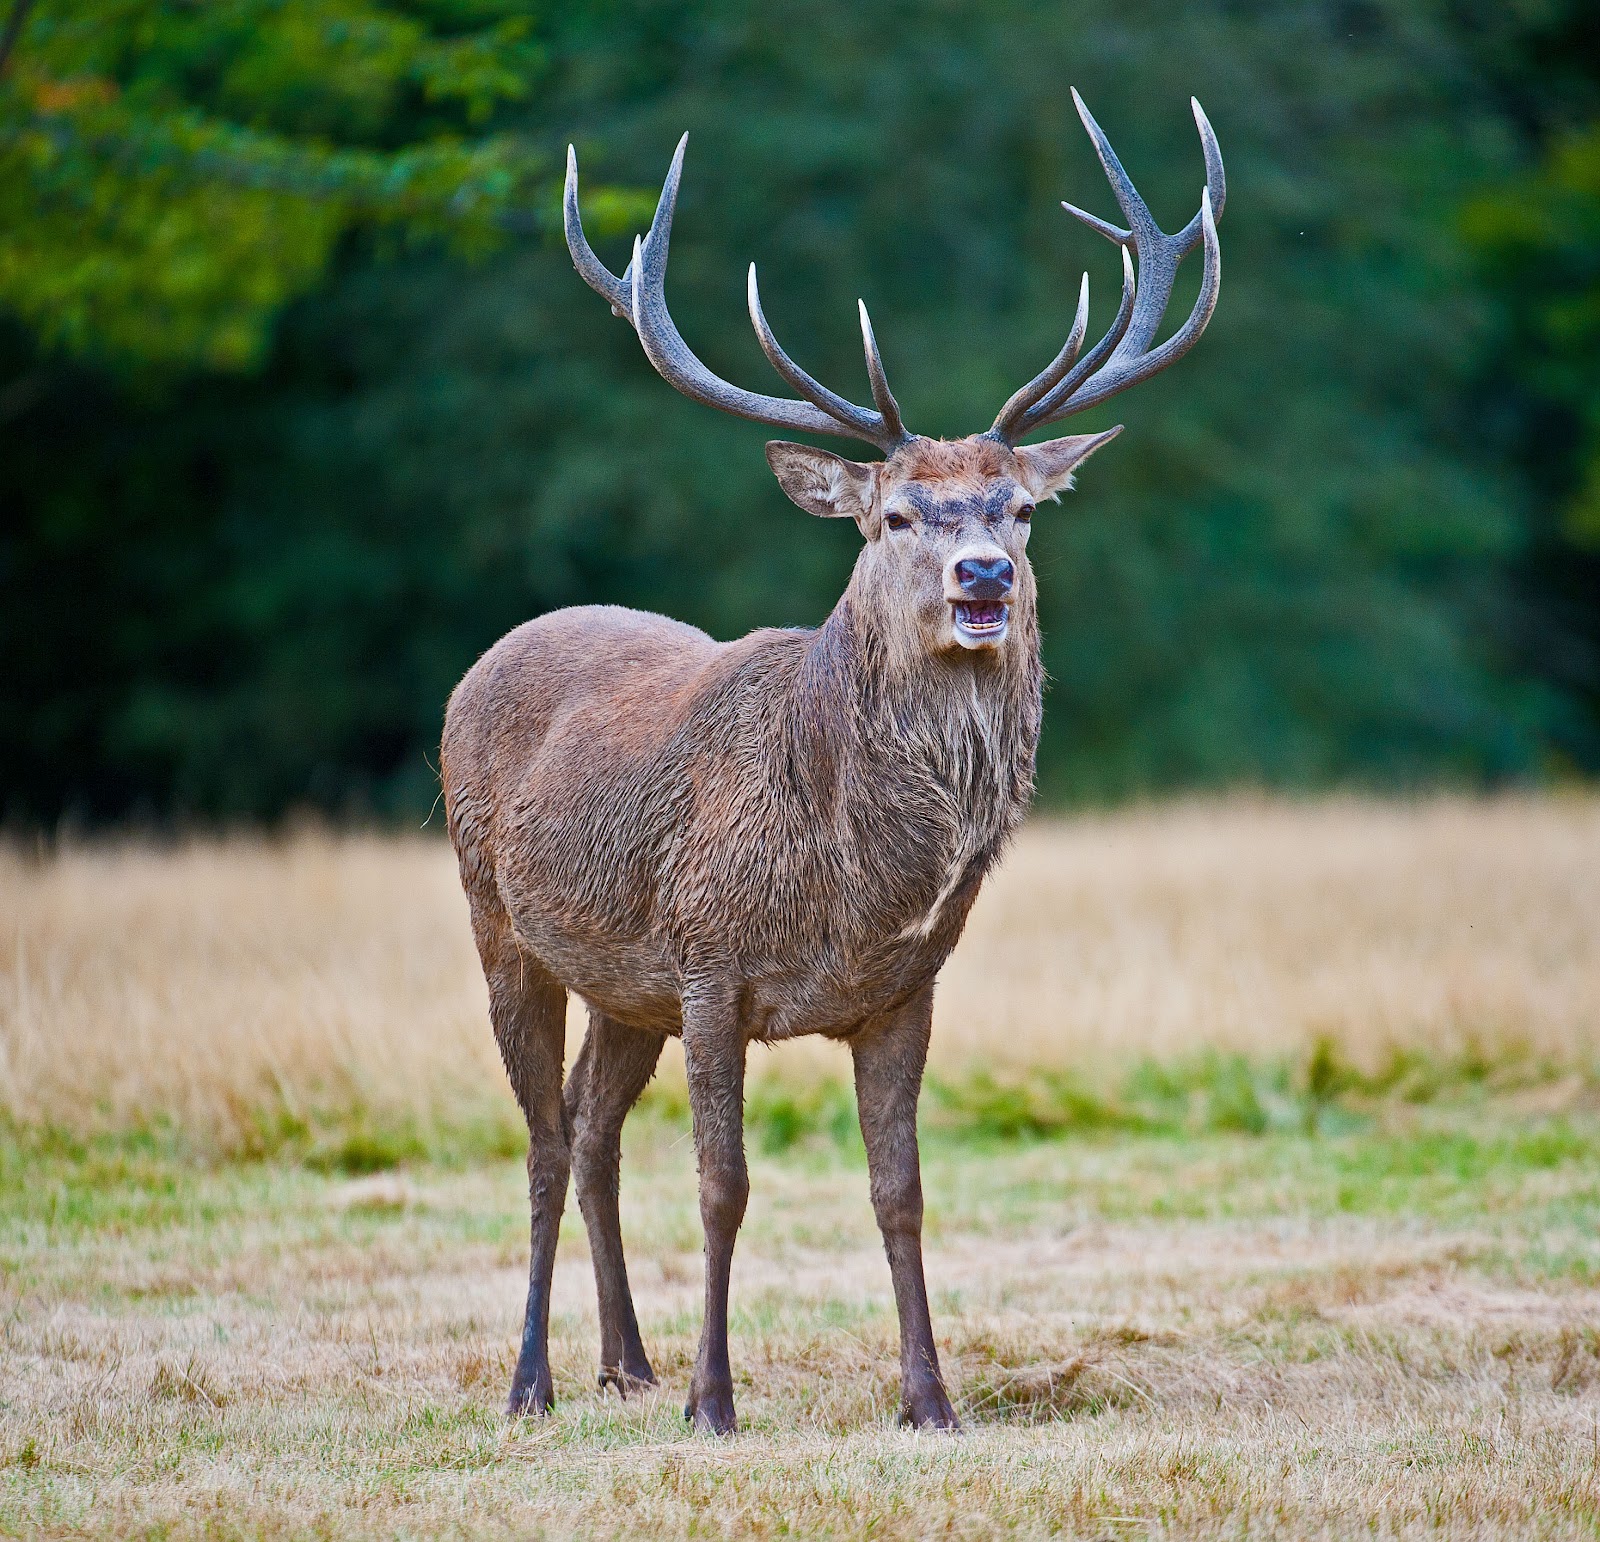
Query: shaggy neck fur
(925,760)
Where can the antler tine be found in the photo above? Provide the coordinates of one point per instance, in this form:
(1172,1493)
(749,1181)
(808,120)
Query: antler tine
(1134,209)
(1125,356)
(1050,376)
(807,385)
(639,297)
(882,396)
(1043,411)
(1114,233)
(591,270)
(1216,179)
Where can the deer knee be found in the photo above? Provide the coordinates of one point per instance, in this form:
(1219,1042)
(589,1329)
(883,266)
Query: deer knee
(897,1201)
(724,1192)
(596,1156)
(549,1166)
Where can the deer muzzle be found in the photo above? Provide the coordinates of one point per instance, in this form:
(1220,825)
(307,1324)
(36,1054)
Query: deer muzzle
(979,587)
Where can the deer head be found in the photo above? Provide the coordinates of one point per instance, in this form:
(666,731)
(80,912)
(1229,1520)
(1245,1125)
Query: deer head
(945,521)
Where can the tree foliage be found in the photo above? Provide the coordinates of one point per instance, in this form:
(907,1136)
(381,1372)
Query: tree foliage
(1314,558)
(171,175)
(1536,237)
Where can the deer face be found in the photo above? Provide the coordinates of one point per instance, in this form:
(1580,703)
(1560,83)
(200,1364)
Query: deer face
(946,524)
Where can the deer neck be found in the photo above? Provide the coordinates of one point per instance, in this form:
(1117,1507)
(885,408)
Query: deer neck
(907,729)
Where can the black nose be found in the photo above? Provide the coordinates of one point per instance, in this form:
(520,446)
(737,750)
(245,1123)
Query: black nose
(989,580)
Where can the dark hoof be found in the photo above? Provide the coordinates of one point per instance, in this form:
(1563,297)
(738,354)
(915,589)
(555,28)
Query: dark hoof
(626,1382)
(531,1400)
(712,1412)
(928,1410)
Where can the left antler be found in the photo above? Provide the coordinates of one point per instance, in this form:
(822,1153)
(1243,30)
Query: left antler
(639,296)
(1124,357)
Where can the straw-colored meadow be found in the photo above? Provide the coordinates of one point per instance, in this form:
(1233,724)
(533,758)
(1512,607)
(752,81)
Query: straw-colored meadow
(1262,1165)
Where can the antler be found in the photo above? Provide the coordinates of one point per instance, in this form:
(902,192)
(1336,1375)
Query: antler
(1124,357)
(639,297)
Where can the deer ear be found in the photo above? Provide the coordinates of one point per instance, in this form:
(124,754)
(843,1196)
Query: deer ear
(823,483)
(1047,468)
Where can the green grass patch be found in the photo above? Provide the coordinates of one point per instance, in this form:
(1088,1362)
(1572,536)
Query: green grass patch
(1524,1188)
(1321,1093)
(1318,1095)
(348,1136)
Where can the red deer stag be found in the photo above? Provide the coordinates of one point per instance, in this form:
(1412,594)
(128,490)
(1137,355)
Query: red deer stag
(781,835)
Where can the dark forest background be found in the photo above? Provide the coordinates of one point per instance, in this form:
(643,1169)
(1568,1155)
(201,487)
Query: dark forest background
(302,405)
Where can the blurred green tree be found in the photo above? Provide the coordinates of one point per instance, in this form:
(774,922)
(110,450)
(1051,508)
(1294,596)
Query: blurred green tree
(171,175)
(1537,238)
(1305,564)
(170,178)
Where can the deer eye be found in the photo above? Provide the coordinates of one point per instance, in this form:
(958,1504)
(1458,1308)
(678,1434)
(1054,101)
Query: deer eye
(896,521)
(1024,514)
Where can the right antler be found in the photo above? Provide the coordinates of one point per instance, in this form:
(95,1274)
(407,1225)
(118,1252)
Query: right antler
(639,297)
(1123,357)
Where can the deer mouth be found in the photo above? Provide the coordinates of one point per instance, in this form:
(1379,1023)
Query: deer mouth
(979,622)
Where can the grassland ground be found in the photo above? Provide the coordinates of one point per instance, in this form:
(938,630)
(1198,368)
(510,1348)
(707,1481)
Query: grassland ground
(1262,1167)
(1391,1331)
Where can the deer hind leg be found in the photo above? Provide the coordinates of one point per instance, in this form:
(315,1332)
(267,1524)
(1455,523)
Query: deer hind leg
(714,1055)
(613,1068)
(528,1008)
(889,1060)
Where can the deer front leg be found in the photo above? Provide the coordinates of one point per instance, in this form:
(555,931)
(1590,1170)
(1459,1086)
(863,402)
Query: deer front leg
(612,1069)
(889,1060)
(713,1054)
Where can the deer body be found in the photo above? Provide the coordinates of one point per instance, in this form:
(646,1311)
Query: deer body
(787,807)
(780,835)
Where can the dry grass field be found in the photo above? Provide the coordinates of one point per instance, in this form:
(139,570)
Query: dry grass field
(1263,1171)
